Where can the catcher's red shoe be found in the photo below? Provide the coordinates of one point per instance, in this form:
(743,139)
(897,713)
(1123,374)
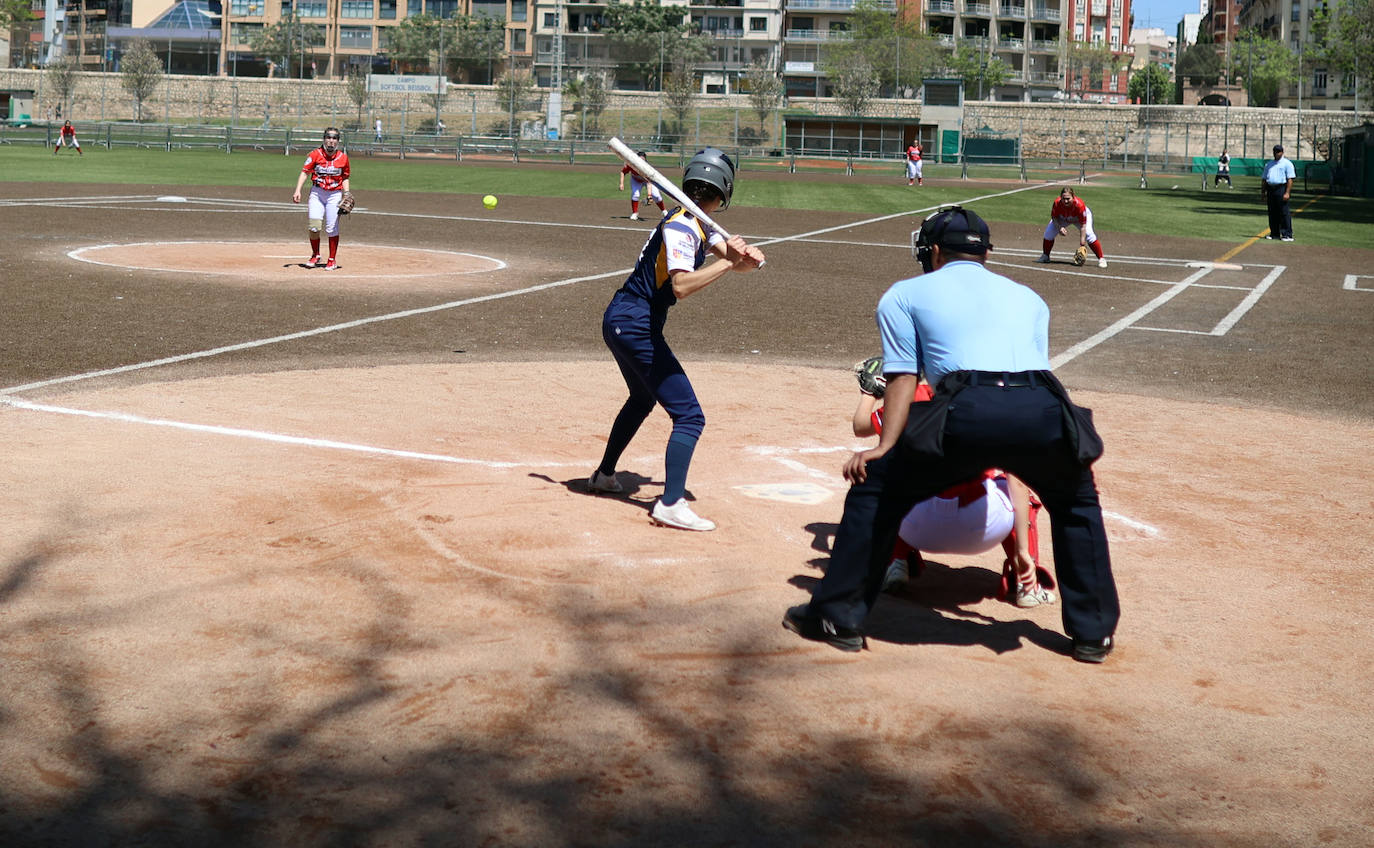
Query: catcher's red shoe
(331,266)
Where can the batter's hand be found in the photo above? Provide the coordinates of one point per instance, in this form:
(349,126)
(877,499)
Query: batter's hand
(856,467)
(742,257)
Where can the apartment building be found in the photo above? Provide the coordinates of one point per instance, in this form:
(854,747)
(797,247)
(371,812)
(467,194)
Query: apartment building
(1153,45)
(356,31)
(569,41)
(809,26)
(1319,87)
(1028,36)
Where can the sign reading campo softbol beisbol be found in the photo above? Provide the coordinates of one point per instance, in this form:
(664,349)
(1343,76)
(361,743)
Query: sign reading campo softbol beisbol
(406,84)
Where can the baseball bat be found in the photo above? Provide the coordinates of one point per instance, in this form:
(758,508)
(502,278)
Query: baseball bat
(634,160)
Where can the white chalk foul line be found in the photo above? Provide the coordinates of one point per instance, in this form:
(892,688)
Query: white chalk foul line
(303,334)
(265,436)
(1124,323)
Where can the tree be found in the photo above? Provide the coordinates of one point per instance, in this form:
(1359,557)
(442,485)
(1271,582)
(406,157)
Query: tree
(1267,66)
(980,73)
(355,84)
(1093,61)
(587,94)
(679,93)
(287,41)
(15,22)
(855,82)
(513,88)
(900,53)
(1200,63)
(765,91)
(476,41)
(1344,41)
(1151,85)
(140,71)
(62,77)
(648,38)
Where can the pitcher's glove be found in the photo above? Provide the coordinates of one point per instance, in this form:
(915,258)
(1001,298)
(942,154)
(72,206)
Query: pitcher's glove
(346,204)
(870,374)
(1080,255)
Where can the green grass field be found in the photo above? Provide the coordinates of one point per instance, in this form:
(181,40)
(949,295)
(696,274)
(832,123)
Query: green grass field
(1118,204)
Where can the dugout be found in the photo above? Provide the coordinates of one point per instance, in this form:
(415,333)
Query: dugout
(1356,158)
(874,138)
(16,108)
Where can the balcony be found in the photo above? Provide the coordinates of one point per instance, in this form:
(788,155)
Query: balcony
(840,5)
(972,8)
(1044,46)
(940,6)
(1012,10)
(944,38)
(1011,43)
(817,35)
(1043,76)
(1044,13)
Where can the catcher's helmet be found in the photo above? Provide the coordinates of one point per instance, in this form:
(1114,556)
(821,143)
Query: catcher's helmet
(954,229)
(712,167)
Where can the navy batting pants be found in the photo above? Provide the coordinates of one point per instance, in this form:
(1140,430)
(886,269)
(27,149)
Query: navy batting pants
(1020,430)
(653,376)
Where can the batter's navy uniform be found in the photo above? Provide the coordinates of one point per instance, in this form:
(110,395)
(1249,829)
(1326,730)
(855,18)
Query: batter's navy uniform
(633,329)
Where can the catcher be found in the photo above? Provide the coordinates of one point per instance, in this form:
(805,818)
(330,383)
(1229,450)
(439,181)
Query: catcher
(327,169)
(969,518)
(1069,211)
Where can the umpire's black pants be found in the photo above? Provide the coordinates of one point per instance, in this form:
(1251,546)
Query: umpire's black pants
(1280,216)
(1020,430)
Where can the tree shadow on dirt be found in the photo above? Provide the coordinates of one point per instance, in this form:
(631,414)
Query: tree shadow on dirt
(687,757)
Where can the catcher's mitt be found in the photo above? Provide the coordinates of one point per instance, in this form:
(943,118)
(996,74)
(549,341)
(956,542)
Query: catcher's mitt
(1080,255)
(346,205)
(870,374)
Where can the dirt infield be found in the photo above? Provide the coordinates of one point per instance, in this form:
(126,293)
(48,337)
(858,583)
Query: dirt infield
(305,558)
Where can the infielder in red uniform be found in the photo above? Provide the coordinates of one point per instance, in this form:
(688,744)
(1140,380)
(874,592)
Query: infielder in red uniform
(913,164)
(67,135)
(327,168)
(1069,210)
(969,518)
(639,183)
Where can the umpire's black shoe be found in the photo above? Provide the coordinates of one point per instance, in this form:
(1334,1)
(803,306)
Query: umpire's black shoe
(801,621)
(1092,650)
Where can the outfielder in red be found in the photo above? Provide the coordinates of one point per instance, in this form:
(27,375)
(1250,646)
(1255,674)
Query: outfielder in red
(1070,211)
(327,169)
(913,164)
(67,136)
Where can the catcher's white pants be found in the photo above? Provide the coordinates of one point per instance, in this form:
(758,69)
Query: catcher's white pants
(942,526)
(1052,231)
(637,185)
(913,169)
(325,204)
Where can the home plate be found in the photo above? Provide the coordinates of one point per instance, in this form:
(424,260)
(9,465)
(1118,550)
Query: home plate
(808,494)
(1217,266)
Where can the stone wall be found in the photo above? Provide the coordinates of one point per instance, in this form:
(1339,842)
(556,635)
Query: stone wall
(1073,131)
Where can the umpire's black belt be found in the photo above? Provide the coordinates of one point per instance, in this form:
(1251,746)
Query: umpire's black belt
(1005,379)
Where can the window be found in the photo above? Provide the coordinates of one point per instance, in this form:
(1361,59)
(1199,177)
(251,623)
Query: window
(758,24)
(313,9)
(414,7)
(517,41)
(519,10)
(246,7)
(1319,81)
(551,20)
(244,33)
(1297,11)
(356,9)
(355,37)
(386,10)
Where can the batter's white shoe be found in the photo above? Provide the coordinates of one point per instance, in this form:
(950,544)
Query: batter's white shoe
(1102,263)
(679,515)
(604,484)
(1043,258)
(634,216)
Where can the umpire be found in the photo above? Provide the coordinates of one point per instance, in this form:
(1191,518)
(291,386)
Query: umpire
(983,341)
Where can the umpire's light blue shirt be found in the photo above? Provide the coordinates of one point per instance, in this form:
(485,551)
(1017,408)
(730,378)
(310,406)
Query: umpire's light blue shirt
(962,317)
(1279,171)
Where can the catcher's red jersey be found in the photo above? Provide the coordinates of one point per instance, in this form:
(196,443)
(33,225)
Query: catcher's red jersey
(1073,210)
(327,172)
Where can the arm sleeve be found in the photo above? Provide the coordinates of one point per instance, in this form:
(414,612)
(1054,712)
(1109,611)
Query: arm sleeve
(901,347)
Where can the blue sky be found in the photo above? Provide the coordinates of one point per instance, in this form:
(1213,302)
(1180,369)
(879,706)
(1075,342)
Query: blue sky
(1162,14)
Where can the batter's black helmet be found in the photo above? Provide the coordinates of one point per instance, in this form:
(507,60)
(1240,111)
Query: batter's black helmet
(713,167)
(953,228)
